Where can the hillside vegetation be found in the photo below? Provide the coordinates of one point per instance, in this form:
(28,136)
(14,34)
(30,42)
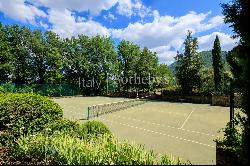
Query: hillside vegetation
(206,60)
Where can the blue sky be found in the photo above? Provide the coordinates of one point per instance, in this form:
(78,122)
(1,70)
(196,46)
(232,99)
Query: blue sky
(160,25)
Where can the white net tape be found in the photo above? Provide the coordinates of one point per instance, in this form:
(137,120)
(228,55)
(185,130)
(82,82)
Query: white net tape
(100,109)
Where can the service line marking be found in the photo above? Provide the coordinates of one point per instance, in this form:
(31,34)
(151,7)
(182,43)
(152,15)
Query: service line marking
(155,132)
(163,125)
(186,119)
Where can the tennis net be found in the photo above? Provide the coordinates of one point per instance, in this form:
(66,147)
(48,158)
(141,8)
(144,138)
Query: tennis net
(100,109)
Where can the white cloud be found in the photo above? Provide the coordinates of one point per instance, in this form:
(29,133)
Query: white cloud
(65,24)
(167,32)
(164,54)
(206,42)
(109,17)
(215,22)
(20,11)
(93,6)
(156,15)
(44,25)
(132,7)
(164,30)
(61,14)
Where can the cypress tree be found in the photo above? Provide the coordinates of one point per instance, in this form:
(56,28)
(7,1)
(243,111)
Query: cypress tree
(217,65)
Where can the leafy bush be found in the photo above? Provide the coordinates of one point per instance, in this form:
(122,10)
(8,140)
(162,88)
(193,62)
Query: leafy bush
(24,113)
(62,148)
(62,125)
(73,128)
(96,128)
(2,90)
(232,140)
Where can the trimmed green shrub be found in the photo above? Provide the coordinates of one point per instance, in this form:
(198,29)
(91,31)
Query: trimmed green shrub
(25,113)
(62,148)
(73,128)
(96,128)
(63,125)
(2,90)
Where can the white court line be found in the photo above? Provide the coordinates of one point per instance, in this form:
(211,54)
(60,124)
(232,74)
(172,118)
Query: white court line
(157,124)
(165,111)
(186,119)
(160,133)
(168,112)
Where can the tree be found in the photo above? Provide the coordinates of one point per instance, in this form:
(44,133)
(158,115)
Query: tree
(38,58)
(189,65)
(128,54)
(75,64)
(103,62)
(237,14)
(217,65)
(45,57)
(146,68)
(54,62)
(164,77)
(6,58)
(18,39)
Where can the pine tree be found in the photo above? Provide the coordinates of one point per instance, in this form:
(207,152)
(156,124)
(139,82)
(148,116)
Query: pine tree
(217,65)
(189,66)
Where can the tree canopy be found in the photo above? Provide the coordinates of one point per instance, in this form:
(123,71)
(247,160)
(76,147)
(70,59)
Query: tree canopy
(35,57)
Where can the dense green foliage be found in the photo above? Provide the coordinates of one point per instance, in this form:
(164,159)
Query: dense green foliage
(207,72)
(42,89)
(5,56)
(73,128)
(63,148)
(217,65)
(163,81)
(236,14)
(231,139)
(36,57)
(25,113)
(189,66)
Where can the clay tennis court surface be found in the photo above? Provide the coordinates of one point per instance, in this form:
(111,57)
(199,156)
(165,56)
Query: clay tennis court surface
(184,130)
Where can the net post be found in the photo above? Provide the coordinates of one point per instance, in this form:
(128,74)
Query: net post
(88,114)
(97,110)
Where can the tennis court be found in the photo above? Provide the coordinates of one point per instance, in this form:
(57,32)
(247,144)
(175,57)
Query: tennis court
(181,129)
(76,107)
